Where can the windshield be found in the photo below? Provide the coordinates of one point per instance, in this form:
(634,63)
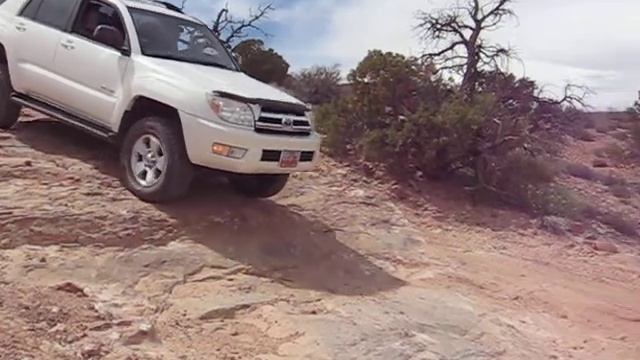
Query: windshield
(174,38)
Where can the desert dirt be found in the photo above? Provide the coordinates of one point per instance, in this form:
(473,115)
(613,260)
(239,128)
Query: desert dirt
(336,267)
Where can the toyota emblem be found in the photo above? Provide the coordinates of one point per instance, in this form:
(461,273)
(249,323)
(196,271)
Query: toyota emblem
(287,122)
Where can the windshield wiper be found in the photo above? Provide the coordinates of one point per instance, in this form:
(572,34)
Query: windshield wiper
(192,61)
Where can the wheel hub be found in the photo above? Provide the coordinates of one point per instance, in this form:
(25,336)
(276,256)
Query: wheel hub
(148,163)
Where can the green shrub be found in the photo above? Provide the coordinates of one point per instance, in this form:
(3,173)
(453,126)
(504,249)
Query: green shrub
(620,135)
(580,171)
(635,135)
(621,191)
(620,223)
(584,135)
(401,114)
(557,200)
(331,121)
(610,179)
(600,163)
(525,182)
(603,128)
(316,85)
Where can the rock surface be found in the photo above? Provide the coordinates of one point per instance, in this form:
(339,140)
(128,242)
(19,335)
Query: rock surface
(334,268)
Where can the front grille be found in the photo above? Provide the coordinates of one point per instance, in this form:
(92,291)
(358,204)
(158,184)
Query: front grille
(283,124)
(284,109)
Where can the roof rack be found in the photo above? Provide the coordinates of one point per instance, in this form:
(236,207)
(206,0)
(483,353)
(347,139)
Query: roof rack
(163,3)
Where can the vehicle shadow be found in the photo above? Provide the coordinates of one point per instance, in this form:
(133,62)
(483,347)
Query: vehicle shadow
(272,240)
(276,242)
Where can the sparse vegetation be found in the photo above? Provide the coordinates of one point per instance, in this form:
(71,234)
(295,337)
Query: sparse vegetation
(621,191)
(635,135)
(581,171)
(620,223)
(611,151)
(589,123)
(611,179)
(603,128)
(600,163)
(620,135)
(584,135)
(558,201)
(316,85)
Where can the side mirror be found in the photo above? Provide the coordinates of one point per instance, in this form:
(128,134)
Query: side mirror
(110,36)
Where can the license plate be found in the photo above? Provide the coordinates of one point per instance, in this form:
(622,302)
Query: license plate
(289,159)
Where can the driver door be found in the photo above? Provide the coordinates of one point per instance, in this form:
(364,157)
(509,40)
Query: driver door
(94,72)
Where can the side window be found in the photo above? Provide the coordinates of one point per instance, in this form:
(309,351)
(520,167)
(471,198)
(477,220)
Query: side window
(31,9)
(93,14)
(55,13)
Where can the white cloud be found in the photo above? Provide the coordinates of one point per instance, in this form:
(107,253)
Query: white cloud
(593,42)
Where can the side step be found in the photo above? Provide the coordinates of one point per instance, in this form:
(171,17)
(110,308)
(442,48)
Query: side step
(64,116)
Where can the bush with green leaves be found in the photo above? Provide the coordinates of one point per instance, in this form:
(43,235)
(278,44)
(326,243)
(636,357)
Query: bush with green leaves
(316,85)
(400,113)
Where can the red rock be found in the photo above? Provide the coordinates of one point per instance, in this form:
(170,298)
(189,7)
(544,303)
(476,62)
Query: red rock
(605,246)
(71,288)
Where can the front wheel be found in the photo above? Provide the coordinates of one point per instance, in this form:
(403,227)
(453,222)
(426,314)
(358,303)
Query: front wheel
(259,186)
(154,160)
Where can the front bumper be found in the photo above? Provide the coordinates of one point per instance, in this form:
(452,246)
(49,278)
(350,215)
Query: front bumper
(199,136)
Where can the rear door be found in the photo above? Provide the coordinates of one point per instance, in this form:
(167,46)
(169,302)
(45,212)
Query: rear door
(93,72)
(37,33)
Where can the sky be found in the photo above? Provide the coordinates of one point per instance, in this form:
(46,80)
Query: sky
(590,42)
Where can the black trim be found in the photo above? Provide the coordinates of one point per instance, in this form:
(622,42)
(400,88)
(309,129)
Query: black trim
(307,156)
(271,155)
(87,125)
(279,107)
(71,16)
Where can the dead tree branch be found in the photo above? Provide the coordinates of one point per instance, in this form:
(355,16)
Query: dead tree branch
(456,34)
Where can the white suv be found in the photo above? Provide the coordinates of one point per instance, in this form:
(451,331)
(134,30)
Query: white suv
(160,85)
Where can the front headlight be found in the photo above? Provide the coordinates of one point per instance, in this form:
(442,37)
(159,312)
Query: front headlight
(309,116)
(232,111)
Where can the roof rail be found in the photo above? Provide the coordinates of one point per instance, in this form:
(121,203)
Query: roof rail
(169,6)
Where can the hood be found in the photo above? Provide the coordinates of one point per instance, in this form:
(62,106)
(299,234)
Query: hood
(224,81)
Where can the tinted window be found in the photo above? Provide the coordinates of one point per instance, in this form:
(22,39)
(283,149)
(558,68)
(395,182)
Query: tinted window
(31,9)
(55,13)
(94,14)
(176,38)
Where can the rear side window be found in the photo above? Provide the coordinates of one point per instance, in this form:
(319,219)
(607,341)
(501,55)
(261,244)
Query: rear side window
(54,13)
(31,9)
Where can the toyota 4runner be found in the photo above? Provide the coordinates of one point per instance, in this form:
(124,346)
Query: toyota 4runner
(160,85)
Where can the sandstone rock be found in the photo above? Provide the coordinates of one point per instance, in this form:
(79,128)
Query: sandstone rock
(605,246)
(555,225)
(144,332)
(92,350)
(600,163)
(71,288)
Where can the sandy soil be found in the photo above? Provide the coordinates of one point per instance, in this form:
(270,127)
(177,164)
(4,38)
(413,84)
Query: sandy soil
(337,267)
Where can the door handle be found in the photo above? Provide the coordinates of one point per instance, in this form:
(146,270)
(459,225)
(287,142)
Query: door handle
(68,46)
(21,27)
(107,89)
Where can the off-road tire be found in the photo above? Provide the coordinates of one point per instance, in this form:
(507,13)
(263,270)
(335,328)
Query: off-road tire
(176,180)
(259,186)
(9,110)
